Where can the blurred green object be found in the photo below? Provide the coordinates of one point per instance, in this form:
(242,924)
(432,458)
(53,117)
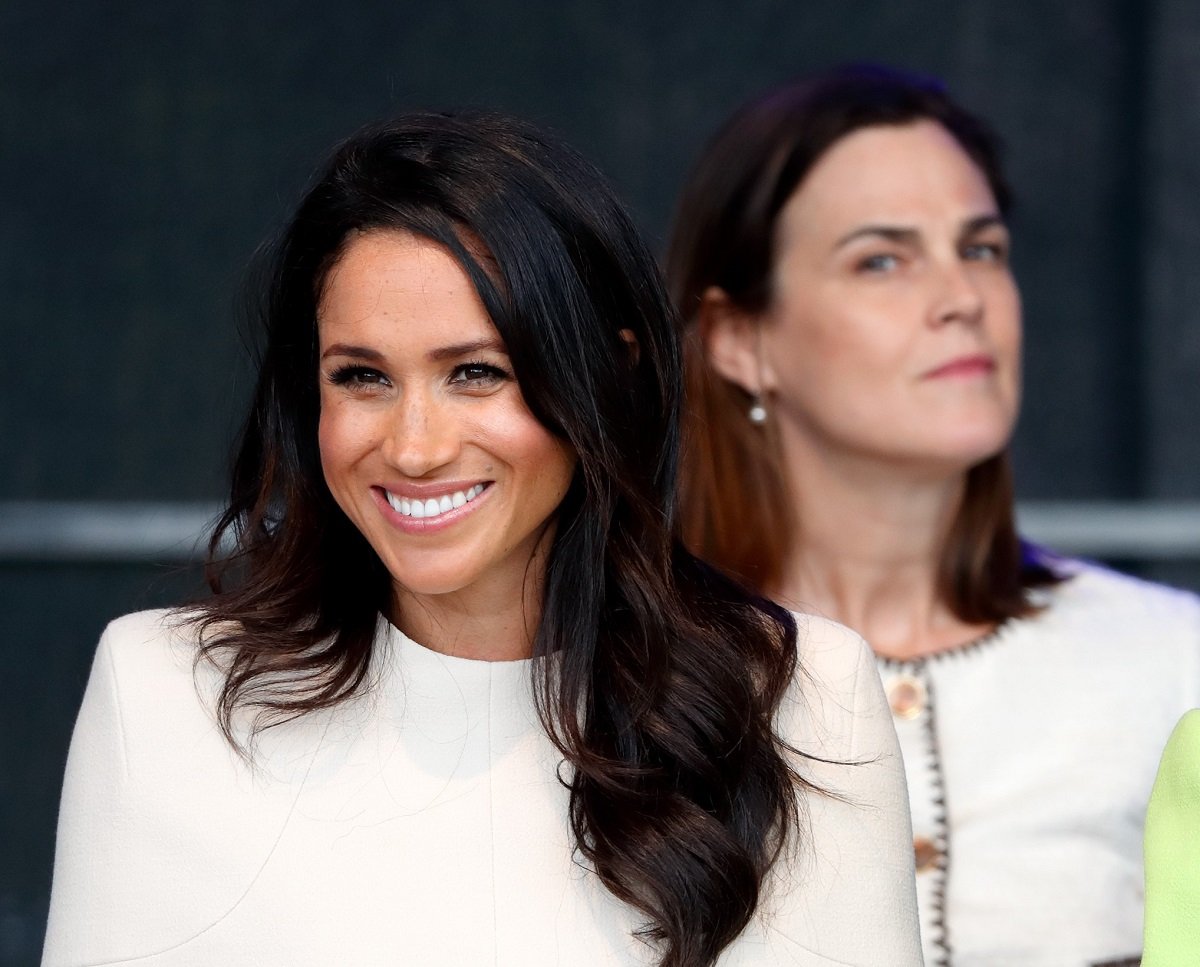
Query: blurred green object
(1172,937)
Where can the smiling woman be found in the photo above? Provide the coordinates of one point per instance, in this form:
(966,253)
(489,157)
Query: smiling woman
(488,708)
(427,444)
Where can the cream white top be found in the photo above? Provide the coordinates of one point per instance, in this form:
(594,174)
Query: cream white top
(422,823)
(1030,757)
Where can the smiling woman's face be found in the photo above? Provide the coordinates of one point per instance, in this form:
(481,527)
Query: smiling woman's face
(894,329)
(426,442)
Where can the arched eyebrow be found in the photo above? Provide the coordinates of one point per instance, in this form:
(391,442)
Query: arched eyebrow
(892,233)
(354,352)
(981,223)
(904,235)
(441,354)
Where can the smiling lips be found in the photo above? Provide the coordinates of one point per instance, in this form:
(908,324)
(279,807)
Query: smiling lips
(430,507)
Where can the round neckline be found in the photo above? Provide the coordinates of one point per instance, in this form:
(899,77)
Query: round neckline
(402,644)
(985,640)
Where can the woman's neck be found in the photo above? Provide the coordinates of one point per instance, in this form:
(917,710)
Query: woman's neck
(869,542)
(494,619)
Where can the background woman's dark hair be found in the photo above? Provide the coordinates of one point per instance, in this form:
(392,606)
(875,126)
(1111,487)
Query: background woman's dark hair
(667,675)
(735,498)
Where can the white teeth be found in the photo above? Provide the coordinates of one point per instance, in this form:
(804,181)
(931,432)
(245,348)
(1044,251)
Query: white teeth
(432,507)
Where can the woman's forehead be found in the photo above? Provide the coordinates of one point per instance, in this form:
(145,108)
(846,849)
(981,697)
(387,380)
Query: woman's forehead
(898,175)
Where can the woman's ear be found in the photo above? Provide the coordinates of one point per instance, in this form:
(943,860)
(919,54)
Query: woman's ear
(732,341)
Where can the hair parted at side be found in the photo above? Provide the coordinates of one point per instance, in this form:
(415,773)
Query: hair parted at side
(735,500)
(667,675)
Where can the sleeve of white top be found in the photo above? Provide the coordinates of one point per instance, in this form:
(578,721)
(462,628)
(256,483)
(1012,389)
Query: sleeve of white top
(93,826)
(847,895)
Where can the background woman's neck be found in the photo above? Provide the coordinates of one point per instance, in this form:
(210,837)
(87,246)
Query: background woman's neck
(868,544)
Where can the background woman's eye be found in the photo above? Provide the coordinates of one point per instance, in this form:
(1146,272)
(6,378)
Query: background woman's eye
(985,252)
(878,263)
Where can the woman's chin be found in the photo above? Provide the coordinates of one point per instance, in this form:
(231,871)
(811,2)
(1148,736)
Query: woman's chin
(966,444)
(941,459)
(961,458)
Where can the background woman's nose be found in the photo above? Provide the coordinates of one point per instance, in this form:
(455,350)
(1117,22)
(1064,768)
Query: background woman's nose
(957,297)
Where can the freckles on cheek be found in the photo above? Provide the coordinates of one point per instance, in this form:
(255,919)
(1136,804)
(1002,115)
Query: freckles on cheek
(326,435)
(327,451)
(338,439)
(510,430)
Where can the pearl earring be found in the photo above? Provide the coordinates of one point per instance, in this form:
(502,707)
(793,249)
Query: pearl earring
(757,414)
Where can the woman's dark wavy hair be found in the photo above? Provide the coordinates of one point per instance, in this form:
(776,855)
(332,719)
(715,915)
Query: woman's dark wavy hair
(668,675)
(735,493)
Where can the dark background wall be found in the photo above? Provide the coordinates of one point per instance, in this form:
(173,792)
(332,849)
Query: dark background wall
(146,149)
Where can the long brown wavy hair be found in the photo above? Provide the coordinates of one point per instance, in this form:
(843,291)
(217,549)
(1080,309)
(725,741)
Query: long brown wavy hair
(736,502)
(668,675)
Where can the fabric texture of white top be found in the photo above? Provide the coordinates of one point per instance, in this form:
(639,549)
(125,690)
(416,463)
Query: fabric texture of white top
(1030,756)
(422,822)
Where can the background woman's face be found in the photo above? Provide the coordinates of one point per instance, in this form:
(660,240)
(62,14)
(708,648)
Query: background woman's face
(426,441)
(894,329)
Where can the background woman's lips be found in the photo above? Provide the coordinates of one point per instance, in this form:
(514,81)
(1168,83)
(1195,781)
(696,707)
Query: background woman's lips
(977,365)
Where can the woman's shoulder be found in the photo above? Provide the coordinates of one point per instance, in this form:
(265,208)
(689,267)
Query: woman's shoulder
(147,673)
(836,698)
(1102,604)
(825,645)
(156,646)
(1178,781)
(1172,849)
(155,626)
(856,846)
(1093,581)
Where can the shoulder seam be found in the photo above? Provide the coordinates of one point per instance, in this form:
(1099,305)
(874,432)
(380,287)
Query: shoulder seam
(862,659)
(118,710)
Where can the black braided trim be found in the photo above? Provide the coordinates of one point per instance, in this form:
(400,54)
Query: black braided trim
(975,645)
(941,827)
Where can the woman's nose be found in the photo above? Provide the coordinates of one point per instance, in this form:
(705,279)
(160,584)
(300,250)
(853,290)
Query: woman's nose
(424,435)
(957,296)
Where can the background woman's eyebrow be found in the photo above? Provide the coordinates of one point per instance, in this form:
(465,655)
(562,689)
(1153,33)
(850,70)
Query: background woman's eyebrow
(892,233)
(982,222)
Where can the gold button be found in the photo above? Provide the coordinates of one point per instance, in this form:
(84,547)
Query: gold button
(925,854)
(906,696)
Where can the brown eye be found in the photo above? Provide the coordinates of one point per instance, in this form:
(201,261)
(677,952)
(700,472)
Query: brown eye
(478,374)
(357,376)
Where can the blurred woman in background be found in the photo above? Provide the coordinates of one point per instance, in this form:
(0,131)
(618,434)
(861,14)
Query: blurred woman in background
(489,710)
(853,335)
